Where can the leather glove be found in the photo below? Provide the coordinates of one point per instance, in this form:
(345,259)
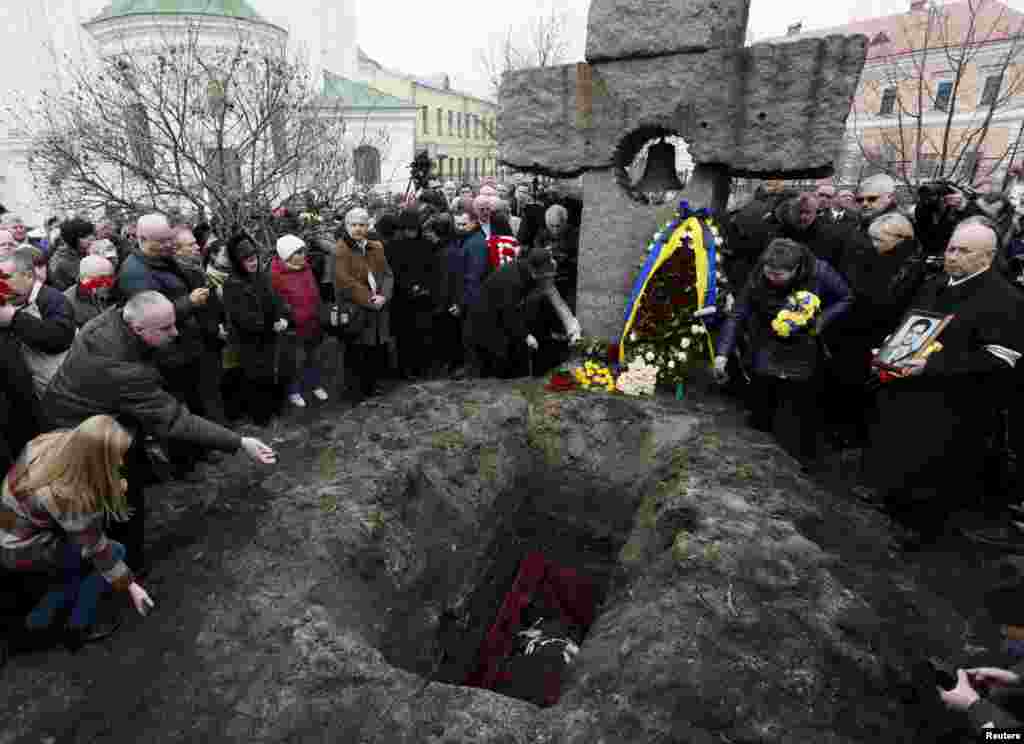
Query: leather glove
(532,342)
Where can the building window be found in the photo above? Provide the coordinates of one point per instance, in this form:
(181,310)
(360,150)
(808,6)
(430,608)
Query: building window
(476,127)
(139,135)
(476,167)
(426,120)
(942,96)
(440,122)
(367,162)
(451,123)
(458,118)
(991,92)
(888,102)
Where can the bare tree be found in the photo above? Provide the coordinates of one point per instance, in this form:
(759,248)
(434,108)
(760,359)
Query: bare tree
(938,129)
(227,130)
(542,43)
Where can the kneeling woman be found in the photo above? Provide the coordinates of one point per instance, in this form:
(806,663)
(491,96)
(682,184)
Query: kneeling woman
(785,370)
(54,504)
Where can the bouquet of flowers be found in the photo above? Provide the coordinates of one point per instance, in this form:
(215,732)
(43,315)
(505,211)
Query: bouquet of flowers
(595,376)
(639,378)
(795,317)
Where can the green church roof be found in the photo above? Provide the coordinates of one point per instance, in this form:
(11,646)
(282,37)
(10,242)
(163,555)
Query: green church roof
(225,8)
(359,95)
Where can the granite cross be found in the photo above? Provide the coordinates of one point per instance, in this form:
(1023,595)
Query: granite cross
(672,67)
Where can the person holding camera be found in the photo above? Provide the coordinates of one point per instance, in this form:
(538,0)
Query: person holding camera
(940,208)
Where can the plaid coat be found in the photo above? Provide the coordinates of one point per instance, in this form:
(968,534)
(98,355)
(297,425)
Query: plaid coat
(33,527)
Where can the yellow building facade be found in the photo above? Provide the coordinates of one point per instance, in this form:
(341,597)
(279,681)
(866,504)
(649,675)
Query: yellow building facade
(456,129)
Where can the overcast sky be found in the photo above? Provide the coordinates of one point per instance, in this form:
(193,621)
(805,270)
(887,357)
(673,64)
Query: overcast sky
(425,38)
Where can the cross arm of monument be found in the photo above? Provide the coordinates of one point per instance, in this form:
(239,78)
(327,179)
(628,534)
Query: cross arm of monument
(768,110)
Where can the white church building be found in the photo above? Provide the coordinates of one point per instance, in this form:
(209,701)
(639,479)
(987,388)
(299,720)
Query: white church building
(42,36)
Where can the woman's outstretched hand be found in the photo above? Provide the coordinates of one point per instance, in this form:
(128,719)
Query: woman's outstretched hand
(142,601)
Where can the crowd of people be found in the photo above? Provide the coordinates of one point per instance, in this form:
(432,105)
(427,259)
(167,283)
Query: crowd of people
(130,350)
(936,416)
(129,346)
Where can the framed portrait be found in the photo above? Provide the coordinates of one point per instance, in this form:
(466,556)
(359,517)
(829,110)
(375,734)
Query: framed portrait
(911,340)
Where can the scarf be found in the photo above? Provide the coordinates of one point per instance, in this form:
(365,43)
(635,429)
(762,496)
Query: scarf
(217,278)
(88,287)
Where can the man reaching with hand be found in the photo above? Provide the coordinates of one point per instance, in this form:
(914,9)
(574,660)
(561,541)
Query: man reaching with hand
(111,369)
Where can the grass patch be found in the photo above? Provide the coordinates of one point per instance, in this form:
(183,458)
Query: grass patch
(449,441)
(375,521)
(632,552)
(471,409)
(328,503)
(648,446)
(745,472)
(489,464)
(327,463)
(647,514)
(681,547)
(542,430)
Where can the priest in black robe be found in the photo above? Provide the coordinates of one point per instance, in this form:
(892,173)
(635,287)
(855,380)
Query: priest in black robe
(927,448)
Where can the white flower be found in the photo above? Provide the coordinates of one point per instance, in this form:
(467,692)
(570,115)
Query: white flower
(671,364)
(684,357)
(650,356)
(686,343)
(697,330)
(680,354)
(632,337)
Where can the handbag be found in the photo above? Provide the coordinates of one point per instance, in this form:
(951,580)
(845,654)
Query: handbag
(343,318)
(791,359)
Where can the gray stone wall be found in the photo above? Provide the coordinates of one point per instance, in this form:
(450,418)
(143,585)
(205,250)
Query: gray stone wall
(615,233)
(645,28)
(762,111)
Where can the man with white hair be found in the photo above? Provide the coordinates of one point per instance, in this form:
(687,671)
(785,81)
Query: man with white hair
(94,291)
(927,451)
(450,192)
(110,370)
(562,240)
(38,316)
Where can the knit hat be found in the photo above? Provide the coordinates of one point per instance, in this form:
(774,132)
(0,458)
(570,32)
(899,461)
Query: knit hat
(289,245)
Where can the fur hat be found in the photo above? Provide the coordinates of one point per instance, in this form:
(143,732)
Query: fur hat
(289,245)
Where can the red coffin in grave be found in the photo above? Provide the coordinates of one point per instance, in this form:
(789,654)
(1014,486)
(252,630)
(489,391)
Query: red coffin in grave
(564,588)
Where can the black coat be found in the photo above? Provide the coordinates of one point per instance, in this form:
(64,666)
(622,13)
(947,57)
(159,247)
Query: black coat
(252,308)
(930,430)
(19,407)
(109,370)
(500,320)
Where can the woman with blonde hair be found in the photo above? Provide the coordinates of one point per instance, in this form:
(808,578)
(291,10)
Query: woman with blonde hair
(54,503)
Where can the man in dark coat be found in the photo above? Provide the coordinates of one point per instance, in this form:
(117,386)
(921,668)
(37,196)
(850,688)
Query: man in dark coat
(111,369)
(19,407)
(154,267)
(94,291)
(881,264)
(415,267)
(563,242)
(927,442)
(76,235)
(38,316)
(498,326)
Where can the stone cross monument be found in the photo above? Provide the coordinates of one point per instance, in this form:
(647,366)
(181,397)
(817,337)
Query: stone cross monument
(672,67)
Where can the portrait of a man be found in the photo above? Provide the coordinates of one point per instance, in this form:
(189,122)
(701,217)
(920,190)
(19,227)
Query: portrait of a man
(912,339)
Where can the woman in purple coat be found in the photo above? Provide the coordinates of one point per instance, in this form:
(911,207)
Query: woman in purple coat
(785,372)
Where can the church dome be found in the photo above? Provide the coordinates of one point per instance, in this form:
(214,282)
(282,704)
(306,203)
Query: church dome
(238,9)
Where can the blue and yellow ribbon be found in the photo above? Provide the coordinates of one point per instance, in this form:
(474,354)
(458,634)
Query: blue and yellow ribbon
(692,231)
